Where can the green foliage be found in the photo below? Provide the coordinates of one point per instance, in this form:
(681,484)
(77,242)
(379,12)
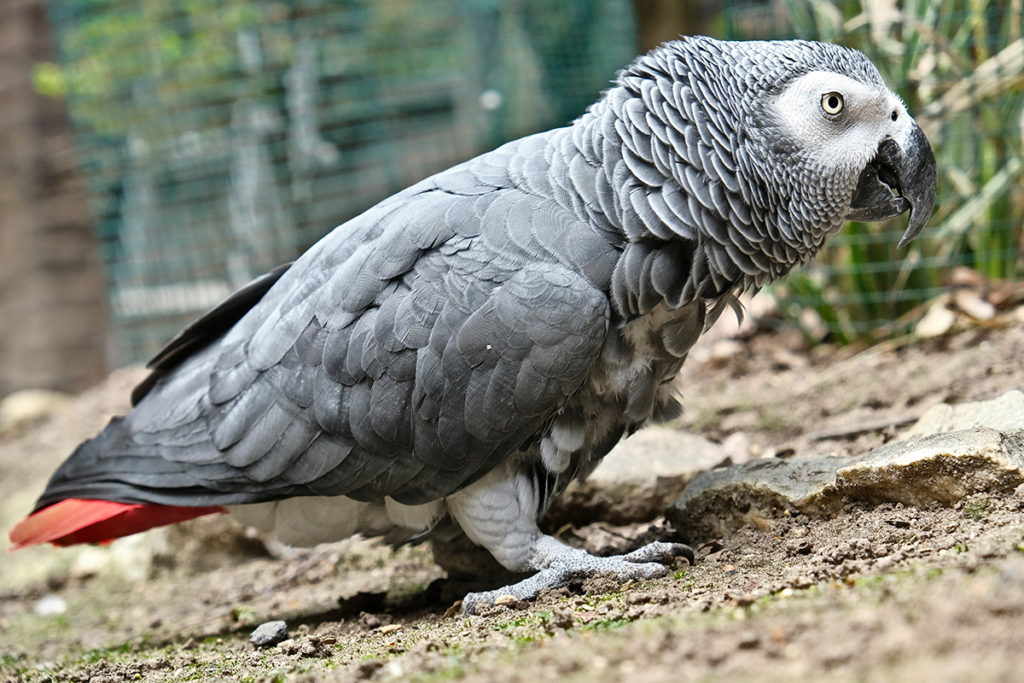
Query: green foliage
(8,661)
(151,55)
(959,66)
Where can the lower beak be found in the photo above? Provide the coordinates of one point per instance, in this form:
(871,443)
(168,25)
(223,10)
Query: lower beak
(898,179)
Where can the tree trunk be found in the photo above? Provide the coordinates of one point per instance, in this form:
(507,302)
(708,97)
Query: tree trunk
(53,321)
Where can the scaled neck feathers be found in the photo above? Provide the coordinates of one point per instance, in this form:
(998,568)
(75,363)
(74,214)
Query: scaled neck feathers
(675,163)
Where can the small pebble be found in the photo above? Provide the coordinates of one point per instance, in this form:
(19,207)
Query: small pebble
(51,605)
(748,640)
(798,546)
(268,634)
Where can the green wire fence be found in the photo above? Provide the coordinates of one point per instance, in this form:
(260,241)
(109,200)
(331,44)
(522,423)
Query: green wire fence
(219,139)
(222,138)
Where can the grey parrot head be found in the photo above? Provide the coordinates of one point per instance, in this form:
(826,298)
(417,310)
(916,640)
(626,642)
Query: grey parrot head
(781,142)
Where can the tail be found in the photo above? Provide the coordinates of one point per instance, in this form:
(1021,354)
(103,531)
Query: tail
(76,520)
(112,487)
(98,495)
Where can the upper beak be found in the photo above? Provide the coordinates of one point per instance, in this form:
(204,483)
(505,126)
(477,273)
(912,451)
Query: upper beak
(909,171)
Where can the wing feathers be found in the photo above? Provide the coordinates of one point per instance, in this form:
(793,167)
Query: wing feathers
(403,366)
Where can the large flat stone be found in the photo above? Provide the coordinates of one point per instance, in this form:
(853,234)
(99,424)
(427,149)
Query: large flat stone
(654,454)
(941,468)
(722,500)
(1005,414)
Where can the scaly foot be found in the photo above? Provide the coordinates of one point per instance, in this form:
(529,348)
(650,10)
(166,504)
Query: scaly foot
(559,565)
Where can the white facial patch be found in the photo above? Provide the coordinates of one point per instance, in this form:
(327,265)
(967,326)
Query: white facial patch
(839,121)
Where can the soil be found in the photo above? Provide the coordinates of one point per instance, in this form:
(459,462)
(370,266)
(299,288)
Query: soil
(882,593)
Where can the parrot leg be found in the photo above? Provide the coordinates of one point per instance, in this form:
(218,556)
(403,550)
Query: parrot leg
(499,512)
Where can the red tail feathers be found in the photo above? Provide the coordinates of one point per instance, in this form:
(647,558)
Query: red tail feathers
(96,521)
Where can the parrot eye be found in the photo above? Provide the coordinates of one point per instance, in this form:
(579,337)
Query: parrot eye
(832,103)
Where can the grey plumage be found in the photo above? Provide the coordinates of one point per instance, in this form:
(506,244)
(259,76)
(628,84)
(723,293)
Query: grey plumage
(509,319)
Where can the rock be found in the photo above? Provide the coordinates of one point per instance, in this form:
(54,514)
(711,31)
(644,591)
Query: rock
(962,276)
(655,454)
(725,350)
(638,479)
(812,324)
(941,468)
(970,302)
(722,500)
(132,557)
(510,601)
(91,561)
(28,406)
(936,322)
(1005,414)
(737,447)
(50,605)
(269,633)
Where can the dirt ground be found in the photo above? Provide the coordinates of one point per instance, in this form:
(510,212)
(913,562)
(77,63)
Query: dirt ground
(881,593)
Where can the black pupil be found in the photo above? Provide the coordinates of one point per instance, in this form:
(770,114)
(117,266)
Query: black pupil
(895,114)
(833,102)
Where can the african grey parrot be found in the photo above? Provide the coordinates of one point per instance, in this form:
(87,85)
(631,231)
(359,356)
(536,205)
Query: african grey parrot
(470,345)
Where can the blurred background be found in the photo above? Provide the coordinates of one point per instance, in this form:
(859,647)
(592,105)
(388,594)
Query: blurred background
(156,154)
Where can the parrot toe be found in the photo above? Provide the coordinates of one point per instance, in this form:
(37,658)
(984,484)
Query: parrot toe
(648,562)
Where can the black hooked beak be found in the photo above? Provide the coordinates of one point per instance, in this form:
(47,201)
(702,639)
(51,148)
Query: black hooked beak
(895,180)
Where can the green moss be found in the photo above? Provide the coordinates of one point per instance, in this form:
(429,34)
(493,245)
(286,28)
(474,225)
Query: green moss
(606,624)
(526,619)
(771,421)
(977,508)
(244,614)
